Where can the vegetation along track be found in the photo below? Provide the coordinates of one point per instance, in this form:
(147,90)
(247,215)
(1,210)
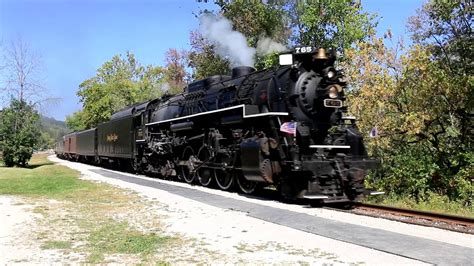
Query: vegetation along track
(454,223)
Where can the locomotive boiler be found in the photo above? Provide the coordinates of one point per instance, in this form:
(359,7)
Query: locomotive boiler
(285,127)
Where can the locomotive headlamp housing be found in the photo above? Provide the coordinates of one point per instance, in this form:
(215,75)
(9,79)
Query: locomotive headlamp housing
(333,92)
(285,59)
(331,74)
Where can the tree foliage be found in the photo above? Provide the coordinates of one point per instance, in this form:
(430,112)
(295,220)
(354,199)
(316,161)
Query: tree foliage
(203,58)
(18,133)
(332,24)
(445,28)
(118,83)
(259,22)
(256,20)
(76,121)
(421,108)
(175,73)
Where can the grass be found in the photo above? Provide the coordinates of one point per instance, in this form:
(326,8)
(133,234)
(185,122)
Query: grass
(433,203)
(49,181)
(116,237)
(56,245)
(89,207)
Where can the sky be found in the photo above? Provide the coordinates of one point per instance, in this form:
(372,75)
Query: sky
(75,37)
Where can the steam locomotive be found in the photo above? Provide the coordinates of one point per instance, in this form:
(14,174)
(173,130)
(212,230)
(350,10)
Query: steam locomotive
(284,127)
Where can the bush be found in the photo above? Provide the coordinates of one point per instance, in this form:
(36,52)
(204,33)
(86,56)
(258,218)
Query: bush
(411,171)
(19,133)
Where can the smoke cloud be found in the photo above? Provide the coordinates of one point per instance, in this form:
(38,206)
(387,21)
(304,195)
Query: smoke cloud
(165,87)
(266,46)
(229,43)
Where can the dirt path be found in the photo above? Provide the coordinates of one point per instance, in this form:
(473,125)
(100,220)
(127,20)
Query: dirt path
(43,231)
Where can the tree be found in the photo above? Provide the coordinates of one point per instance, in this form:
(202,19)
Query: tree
(76,121)
(332,24)
(256,20)
(118,83)
(19,127)
(445,28)
(265,25)
(175,73)
(22,68)
(18,132)
(414,104)
(203,58)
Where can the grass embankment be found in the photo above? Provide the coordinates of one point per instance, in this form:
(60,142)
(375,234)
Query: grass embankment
(81,216)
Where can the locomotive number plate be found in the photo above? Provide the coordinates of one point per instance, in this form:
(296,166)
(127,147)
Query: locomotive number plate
(332,103)
(304,49)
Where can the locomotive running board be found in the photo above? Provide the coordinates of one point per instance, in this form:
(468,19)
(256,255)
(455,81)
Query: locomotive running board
(373,193)
(348,118)
(248,111)
(315,197)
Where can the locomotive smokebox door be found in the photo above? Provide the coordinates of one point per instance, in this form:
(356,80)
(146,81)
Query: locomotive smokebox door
(255,166)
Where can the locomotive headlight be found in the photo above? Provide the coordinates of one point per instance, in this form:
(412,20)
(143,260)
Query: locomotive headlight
(285,59)
(331,74)
(333,92)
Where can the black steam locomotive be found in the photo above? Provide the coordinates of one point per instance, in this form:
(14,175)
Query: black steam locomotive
(284,127)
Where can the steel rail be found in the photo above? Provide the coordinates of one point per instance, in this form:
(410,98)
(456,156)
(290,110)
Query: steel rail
(466,222)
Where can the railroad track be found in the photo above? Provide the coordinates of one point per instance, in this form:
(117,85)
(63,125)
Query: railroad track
(444,221)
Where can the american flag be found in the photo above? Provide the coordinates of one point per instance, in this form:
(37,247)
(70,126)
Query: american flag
(374,132)
(289,127)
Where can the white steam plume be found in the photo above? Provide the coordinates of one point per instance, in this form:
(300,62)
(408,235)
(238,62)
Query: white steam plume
(229,43)
(165,87)
(266,46)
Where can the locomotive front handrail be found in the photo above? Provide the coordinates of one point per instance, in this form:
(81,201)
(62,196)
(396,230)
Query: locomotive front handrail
(330,146)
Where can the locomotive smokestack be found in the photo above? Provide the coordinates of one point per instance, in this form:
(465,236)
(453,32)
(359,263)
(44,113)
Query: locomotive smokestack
(241,71)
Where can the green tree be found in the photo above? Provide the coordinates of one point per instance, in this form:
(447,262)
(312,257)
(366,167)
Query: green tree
(203,58)
(414,103)
(420,99)
(118,83)
(19,126)
(332,24)
(445,28)
(264,25)
(256,21)
(75,122)
(18,132)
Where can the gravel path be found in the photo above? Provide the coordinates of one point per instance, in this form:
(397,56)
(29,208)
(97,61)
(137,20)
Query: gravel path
(214,235)
(233,237)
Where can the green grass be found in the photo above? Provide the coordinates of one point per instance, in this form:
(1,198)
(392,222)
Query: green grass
(56,245)
(114,237)
(91,204)
(47,180)
(433,203)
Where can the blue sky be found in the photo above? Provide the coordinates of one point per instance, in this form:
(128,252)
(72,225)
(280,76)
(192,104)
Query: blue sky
(74,37)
